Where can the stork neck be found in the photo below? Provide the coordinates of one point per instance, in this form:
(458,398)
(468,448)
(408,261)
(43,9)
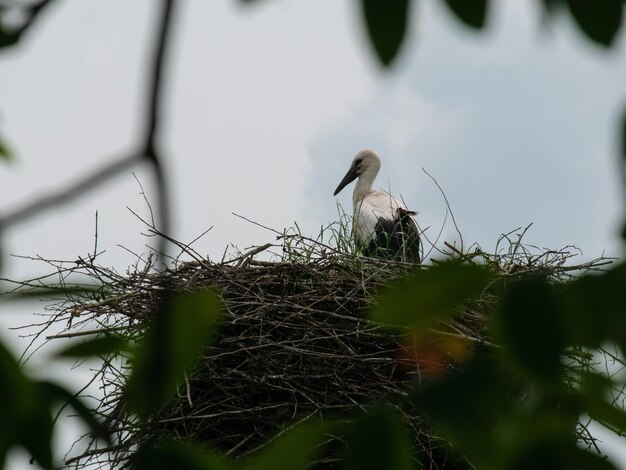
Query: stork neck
(363,186)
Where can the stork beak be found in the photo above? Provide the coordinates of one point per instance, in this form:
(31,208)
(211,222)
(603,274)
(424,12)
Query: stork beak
(349,178)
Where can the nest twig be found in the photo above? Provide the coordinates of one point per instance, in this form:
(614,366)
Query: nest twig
(294,341)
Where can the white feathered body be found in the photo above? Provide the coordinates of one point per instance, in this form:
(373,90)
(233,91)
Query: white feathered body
(369,208)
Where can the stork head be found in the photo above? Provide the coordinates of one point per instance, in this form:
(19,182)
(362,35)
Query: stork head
(366,163)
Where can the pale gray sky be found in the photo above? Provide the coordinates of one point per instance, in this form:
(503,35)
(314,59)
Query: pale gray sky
(266,106)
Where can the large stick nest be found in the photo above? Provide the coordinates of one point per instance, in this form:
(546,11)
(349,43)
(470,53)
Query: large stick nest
(294,344)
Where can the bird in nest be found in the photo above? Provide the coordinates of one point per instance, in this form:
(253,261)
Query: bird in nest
(383,227)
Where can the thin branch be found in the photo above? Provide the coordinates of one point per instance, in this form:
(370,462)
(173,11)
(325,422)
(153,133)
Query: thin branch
(156,79)
(99,331)
(154,231)
(9,38)
(151,150)
(448,208)
(65,195)
(102,175)
(280,234)
(248,255)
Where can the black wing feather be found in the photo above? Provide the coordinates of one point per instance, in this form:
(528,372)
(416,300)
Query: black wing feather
(396,239)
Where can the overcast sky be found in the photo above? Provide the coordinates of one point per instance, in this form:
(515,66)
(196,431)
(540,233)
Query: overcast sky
(266,106)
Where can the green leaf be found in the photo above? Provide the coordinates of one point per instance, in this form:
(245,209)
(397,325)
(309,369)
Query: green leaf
(173,455)
(5,445)
(600,20)
(423,299)
(35,430)
(6,38)
(100,346)
(377,439)
(530,327)
(466,406)
(550,5)
(15,391)
(292,450)
(623,138)
(5,152)
(26,417)
(623,162)
(471,12)
(173,343)
(596,306)
(540,432)
(386,25)
(592,398)
(606,413)
(45,292)
(32,13)
(558,453)
(55,392)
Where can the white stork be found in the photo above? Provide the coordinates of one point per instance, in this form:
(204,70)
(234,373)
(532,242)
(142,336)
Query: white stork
(383,227)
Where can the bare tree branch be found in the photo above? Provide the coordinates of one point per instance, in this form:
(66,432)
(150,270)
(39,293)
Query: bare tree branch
(148,152)
(151,149)
(48,201)
(9,38)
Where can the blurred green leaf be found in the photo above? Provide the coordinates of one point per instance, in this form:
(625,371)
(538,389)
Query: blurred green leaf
(5,152)
(600,20)
(558,453)
(549,5)
(5,444)
(595,305)
(623,137)
(6,39)
(592,398)
(472,12)
(539,432)
(26,419)
(623,162)
(466,406)
(44,292)
(35,430)
(32,12)
(498,420)
(530,327)
(606,413)
(102,345)
(376,440)
(293,450)
(171,346)
(54,392)
(421,300)
(172,455)
(14,390)
(386,25)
